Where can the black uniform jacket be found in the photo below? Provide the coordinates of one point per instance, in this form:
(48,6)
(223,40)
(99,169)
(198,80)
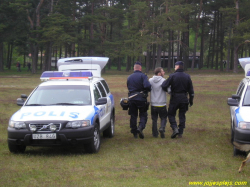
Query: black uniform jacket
(136,83)
(181,84)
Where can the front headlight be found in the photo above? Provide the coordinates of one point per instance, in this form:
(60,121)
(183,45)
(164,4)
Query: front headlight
(244,125)
(78,124)
(17,124)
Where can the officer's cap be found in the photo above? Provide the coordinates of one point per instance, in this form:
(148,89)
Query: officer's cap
(179,63)
(138,63)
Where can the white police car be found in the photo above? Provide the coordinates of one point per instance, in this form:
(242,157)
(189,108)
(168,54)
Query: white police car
(71,107)
(240,109)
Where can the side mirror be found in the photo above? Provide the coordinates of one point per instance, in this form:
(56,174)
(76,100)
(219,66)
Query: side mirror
(234,96)
(20,102)
(232,102)
(24,96)
(101,101)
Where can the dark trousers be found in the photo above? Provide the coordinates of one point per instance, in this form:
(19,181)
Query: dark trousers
(173,107)
(162,113)
(134,107)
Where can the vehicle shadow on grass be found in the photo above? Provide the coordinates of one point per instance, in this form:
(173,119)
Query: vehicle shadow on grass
(59,150)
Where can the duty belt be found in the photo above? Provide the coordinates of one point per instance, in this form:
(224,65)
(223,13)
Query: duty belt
(181,93)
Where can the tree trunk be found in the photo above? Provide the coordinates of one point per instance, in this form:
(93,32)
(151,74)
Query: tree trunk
(229,47)
(209,50)
(128,64)
(1,57)
(11,53)
(34,56)
(217,42)
(8,56)
(24,61)
(47,62)
(185,46)
(232,59)
(213,41)
(119,64)
(169,51)
(202,45)
(196,35)
(235,44)
(152,65)
(158,61)
(178,47)
(221,43)
(148,59)
(41,59)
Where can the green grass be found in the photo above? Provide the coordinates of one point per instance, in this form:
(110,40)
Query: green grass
(203,154)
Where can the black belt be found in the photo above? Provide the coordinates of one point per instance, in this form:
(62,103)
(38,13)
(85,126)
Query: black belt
(133,93)
(180,93)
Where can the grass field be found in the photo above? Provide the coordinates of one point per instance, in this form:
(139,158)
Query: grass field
(204,154)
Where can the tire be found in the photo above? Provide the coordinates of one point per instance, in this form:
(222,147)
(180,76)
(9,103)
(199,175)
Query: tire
(232,133)
(237,152)
(16,148)
(110,131)
(94,145)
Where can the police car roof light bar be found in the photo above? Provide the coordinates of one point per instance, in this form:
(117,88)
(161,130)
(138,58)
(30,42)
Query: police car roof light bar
(48,75)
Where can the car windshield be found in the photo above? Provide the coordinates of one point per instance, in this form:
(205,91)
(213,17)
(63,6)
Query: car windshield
(246,101)
(60,95)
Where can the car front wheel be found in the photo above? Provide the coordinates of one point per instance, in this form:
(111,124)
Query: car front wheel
(94,145)
(237,151)
(16,148)
(232,133)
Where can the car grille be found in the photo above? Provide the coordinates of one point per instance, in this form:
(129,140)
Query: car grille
(44,127)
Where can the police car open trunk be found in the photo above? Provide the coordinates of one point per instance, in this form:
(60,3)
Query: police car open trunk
(92,64)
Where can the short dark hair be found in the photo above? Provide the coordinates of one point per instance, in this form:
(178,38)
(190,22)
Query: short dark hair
(179,63)
(138,63)
(158,70)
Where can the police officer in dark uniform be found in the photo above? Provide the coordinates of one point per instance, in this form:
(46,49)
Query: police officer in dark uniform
(181,84)
(138,87)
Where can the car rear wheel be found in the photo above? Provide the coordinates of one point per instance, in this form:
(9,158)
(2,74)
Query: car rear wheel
(94,145)
(16,148)
(110,131)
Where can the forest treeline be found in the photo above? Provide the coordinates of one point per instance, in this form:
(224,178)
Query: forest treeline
(209,34)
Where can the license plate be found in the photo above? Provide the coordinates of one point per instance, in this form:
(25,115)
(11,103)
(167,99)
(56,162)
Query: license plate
(44,136)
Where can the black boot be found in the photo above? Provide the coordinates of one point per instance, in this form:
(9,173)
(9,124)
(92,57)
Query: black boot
(175,133)
(161,130)
(141,135)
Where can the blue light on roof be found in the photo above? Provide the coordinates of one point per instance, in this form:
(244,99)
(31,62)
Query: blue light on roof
(49,74)
(248,73)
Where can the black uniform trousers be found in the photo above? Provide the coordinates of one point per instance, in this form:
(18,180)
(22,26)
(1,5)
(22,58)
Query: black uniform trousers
(134,107)
(174,105)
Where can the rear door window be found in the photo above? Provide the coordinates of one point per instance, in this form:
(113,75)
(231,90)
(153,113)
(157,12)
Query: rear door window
(246,101)
(100,87)
(105,85)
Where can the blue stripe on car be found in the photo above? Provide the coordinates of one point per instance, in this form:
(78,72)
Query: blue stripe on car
(92,115)
(112,99)
(238,116)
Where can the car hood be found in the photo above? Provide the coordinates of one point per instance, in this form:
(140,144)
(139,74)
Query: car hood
(62,113)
